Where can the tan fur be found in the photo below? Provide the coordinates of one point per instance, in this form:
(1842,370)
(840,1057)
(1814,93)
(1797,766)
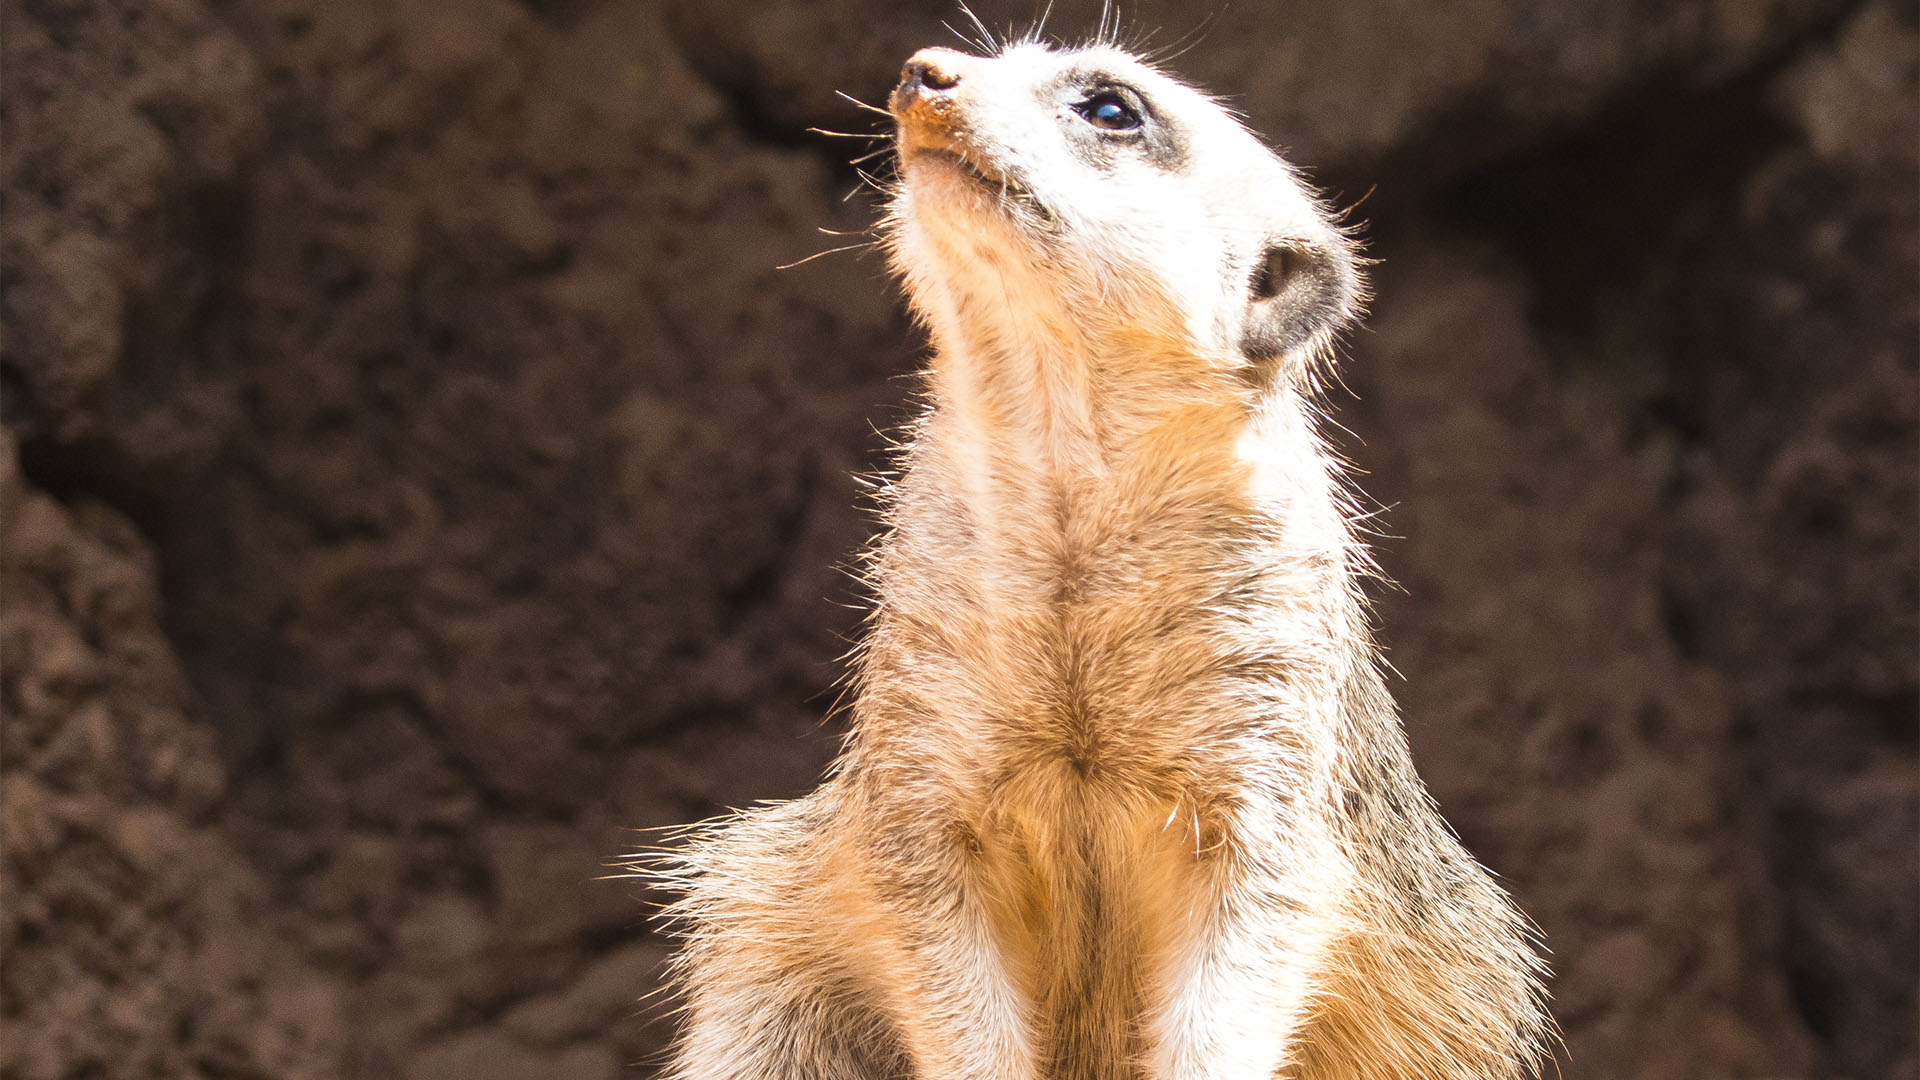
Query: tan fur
(1124,795)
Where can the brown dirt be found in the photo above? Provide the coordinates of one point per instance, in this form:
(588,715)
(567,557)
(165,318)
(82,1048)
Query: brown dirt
(417,475)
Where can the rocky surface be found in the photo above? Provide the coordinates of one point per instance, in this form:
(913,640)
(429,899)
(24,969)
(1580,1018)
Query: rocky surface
(138,941)
(425,477)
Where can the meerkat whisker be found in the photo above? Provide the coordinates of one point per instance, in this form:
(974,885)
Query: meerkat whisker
(864,158)
(987,42)
(829,251)
(870,108)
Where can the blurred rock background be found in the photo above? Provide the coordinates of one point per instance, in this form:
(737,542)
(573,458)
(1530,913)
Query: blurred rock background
(417,475)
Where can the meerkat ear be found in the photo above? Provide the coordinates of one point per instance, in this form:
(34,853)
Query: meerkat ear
(1300,293)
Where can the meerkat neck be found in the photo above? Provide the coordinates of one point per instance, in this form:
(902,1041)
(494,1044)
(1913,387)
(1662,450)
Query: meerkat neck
(1058,400)
(1189,502)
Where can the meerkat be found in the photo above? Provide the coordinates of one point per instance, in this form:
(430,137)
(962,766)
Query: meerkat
(1124,794)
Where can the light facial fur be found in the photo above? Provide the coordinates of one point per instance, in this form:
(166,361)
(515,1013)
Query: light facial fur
(1124,795)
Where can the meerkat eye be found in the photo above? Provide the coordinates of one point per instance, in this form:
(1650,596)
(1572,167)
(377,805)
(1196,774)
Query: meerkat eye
(1109,111)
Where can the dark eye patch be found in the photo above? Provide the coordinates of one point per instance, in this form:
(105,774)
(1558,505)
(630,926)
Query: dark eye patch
(1114,120)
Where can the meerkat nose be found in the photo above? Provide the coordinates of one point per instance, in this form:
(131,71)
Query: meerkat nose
(927,80)
(935,69)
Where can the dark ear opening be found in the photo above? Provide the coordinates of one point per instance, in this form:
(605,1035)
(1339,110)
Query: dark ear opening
(1299,293)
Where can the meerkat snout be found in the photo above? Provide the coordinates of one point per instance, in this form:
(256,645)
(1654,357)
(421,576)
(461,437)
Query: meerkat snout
(926,89)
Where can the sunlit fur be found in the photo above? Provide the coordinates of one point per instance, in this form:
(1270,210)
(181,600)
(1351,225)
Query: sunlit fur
(1124,795)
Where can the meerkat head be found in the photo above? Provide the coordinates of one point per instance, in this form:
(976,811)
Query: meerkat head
(1085,193)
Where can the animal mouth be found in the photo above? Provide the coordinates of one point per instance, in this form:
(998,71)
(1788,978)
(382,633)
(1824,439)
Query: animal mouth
(993,181)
